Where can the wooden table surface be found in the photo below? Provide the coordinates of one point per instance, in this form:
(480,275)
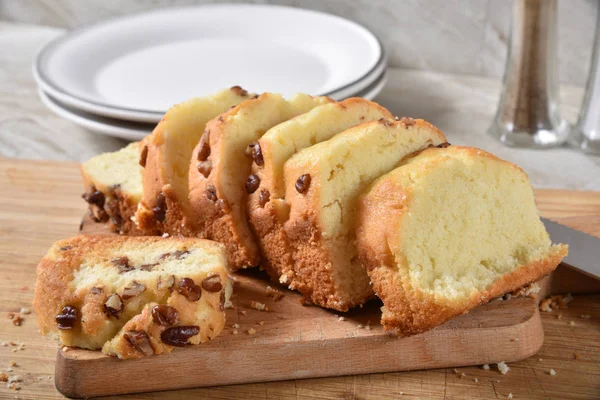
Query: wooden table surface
(40,203)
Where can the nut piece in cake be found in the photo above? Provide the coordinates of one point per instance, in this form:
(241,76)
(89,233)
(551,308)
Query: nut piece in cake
(450,229)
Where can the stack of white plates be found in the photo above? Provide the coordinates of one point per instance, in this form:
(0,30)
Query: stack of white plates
(120,76)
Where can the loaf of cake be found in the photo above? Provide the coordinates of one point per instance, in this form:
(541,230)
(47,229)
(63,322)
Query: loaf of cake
(113,184)
(132,296)
(322,185)
(221,164)
(165,158)
(448,230)
(267,207)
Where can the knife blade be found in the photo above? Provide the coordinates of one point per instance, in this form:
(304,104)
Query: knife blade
(584,249)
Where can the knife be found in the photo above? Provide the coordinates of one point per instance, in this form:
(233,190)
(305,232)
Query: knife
(584,249)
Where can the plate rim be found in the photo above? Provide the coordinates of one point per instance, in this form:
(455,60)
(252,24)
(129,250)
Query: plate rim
(141,115)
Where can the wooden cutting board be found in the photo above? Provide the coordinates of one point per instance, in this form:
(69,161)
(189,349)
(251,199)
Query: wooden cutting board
(40,203)
(292,341)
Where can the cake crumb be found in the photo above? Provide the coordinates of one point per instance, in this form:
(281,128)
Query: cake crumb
(13,386)
(577,356)
(235,326)
(368,326)
(486,367)
(165,235)
(359,326)
(510,396)
(475,380)
(251,331)
(25,311)
(559,316)
(3,377)
(586,316)
(13,363)
(571,323)
(274,293)
(259,306)
(555,302)
(235,332)
(228,305)
(243,312)
(552,372)
(456,371)
(340,318)
(462,375)
(4,344)
(503,368)
(540,359)
(261,323)
(514,339)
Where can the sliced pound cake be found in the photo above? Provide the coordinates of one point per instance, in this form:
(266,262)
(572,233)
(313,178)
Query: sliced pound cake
(113,184)
(267,207)
(132,296)
(166,158)
(448,230)
(322,185)
(221,164)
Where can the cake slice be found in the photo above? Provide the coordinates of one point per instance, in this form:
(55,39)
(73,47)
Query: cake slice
(113,184)
(166,158)
(322,185)
(267,207)
(132,296)
(221,164)
(448,230)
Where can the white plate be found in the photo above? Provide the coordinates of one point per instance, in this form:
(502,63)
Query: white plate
(136,67)
(106,126)
(138,130)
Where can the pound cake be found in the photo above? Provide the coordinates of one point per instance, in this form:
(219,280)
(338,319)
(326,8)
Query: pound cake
(113,184)
(448,230)
(221,164)
(132,296)
(165,158)
(267,207)
(322,185)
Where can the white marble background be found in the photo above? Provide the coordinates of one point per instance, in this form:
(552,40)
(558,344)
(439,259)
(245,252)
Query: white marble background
(466,36)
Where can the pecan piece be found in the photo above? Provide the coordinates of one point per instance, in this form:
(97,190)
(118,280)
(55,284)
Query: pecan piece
(211,193)
(144,156)
(166,282)
(212,283)
(303,183)
(66,318)
(140,341)
(113,305)
(252,183)
(160,210)
(123,264)
(179,335)
(189,289)
(165,315)
(133,289)
(264,197)
(205,167)
(204,146)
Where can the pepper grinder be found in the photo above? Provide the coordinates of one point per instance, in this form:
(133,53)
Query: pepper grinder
(528,114)
(586,134)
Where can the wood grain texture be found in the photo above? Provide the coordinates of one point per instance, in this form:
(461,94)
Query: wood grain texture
(40,203)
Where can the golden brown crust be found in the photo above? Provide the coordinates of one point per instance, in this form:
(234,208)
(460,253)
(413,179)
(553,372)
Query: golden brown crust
(407,309)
